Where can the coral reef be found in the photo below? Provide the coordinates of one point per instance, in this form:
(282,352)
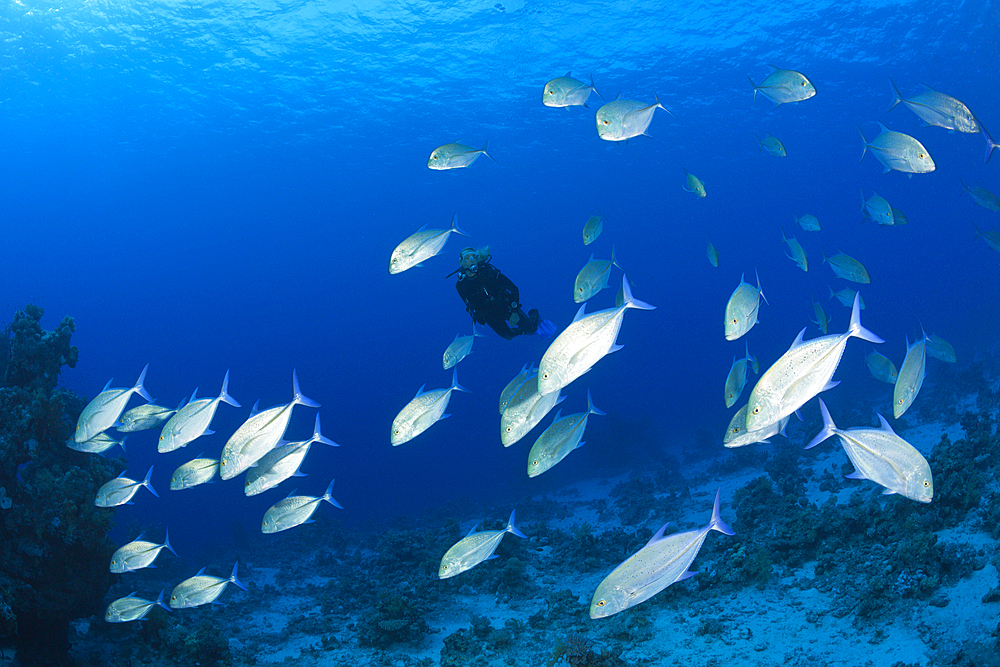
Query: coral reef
(55,552)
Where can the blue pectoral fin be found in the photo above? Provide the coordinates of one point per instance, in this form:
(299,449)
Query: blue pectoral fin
(857,474)
(491,557)
(686,575)
(888,492)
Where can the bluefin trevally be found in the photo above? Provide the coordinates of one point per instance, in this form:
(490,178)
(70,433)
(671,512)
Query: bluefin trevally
(941,349)
(120,490)
(712,253)
(282,462)
(822,319)
(848,268)
(525,409)
(621,120)
(131,608)
(593,277)
(561,437)
(807,221)
(663,561)
(936,108)
(455,155)
(742,307)
(474,548)
(737,377)
(881,367)
(99,444)
(144,417)
(192,420)
(138,554)
(783,86)
(877,208)
(565,91)
(883,457)
(103,412)
(423,410)
(991,237)
(459,348)
(738,436)
(593,228)
(911,376)
(796,252)
(421,245)
(294,511)
(197,471)
(201,589)
(694,185)
(516,382)
(982,196)
(898,151)
(771,144)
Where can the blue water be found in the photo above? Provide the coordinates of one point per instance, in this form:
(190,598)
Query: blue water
(219,185)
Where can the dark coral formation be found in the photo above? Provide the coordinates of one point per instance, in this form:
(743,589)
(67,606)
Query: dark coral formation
(55,551)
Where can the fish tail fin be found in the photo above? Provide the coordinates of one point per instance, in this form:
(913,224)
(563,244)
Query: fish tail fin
(591,408)
(475,332)
(717,523)
(896,97)
(319,437)
(454,382)
(864,144)
(856,329)
(328,498)
(754,92)
(234,579)
(828,426)
(138,388)
(511,528)
(121,443)
(483,150)
(454,222)
(224,394)
(166,541)
(145,482)
(614,261)
(990,144)
(298,397)
(979,232)
(159,600)
(630,301)
(595,89)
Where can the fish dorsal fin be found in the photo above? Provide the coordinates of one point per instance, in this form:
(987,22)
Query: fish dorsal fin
(568,74)
(472,531)
(581,312)
(200,572)
(883,127)
(798,339)
(420,392)
(885,425)
(659,535)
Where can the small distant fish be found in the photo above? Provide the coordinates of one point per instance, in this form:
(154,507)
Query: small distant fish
(772,145)
(99,444)
(201,589)
(846,296)
(883,457)
(621,120)
(282,463)
(120,490)
(421,245)
(982,196)
(194,472)
(663,561)
(941,349)
(783,86)
(454,156)
(712,254)
(808,222)
(459,348)
(593,228)
(565,91)
(898,218)
(294,511)
(741,309)
(587,340)
(881,367)
(736,380)
(738,436)
(516,383)
(561,437)
(593,277)
(423,410)
(131,608)
(876,208)
(938,109)
(144,417)
(192,421)
(911,376)
(103,412)
(848,268)
(991,237)
(693,184)
(796,252)
(822,318)
(474,548)
(138,554)
(898,151)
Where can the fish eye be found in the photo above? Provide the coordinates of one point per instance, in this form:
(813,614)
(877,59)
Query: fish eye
(926,483)
(735,320)
(736,429)
(601,603)
(756,411)
(900,401)
(545,376)
(508,429)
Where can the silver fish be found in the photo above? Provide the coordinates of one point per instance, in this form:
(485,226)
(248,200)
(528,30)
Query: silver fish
(848,268)
(294,511)
(192,421)
(561,437)
(144,417)
(454,156)
(459,348)
(772,145)
(593,228)
(593,277)
(941,349)
(783,86)
(741,309)
(102,413)
(663,561)
(565,91)
(421,245)
(911,376)
(474,548)
(516,383)
(423,411)
(201,589)
(737,377)
(583,343)
(621,120)
(138,554)
(281,463)
(881,367)
(259,434)
(796,252)
(822,317)
(738,436)
(982,196)
(131,608)
(526,409)
(693,184)
(99,444)
(876,208)
(936,108)
(898,151)
(883,457)
(120,490)
(803,371)
(194,472)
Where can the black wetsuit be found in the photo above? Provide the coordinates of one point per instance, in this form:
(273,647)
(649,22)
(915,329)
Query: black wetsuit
(491,298)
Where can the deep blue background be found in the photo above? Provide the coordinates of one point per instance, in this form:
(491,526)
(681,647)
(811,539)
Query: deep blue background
(219,186)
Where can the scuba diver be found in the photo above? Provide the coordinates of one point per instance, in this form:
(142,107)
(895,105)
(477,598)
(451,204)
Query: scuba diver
(491,298)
